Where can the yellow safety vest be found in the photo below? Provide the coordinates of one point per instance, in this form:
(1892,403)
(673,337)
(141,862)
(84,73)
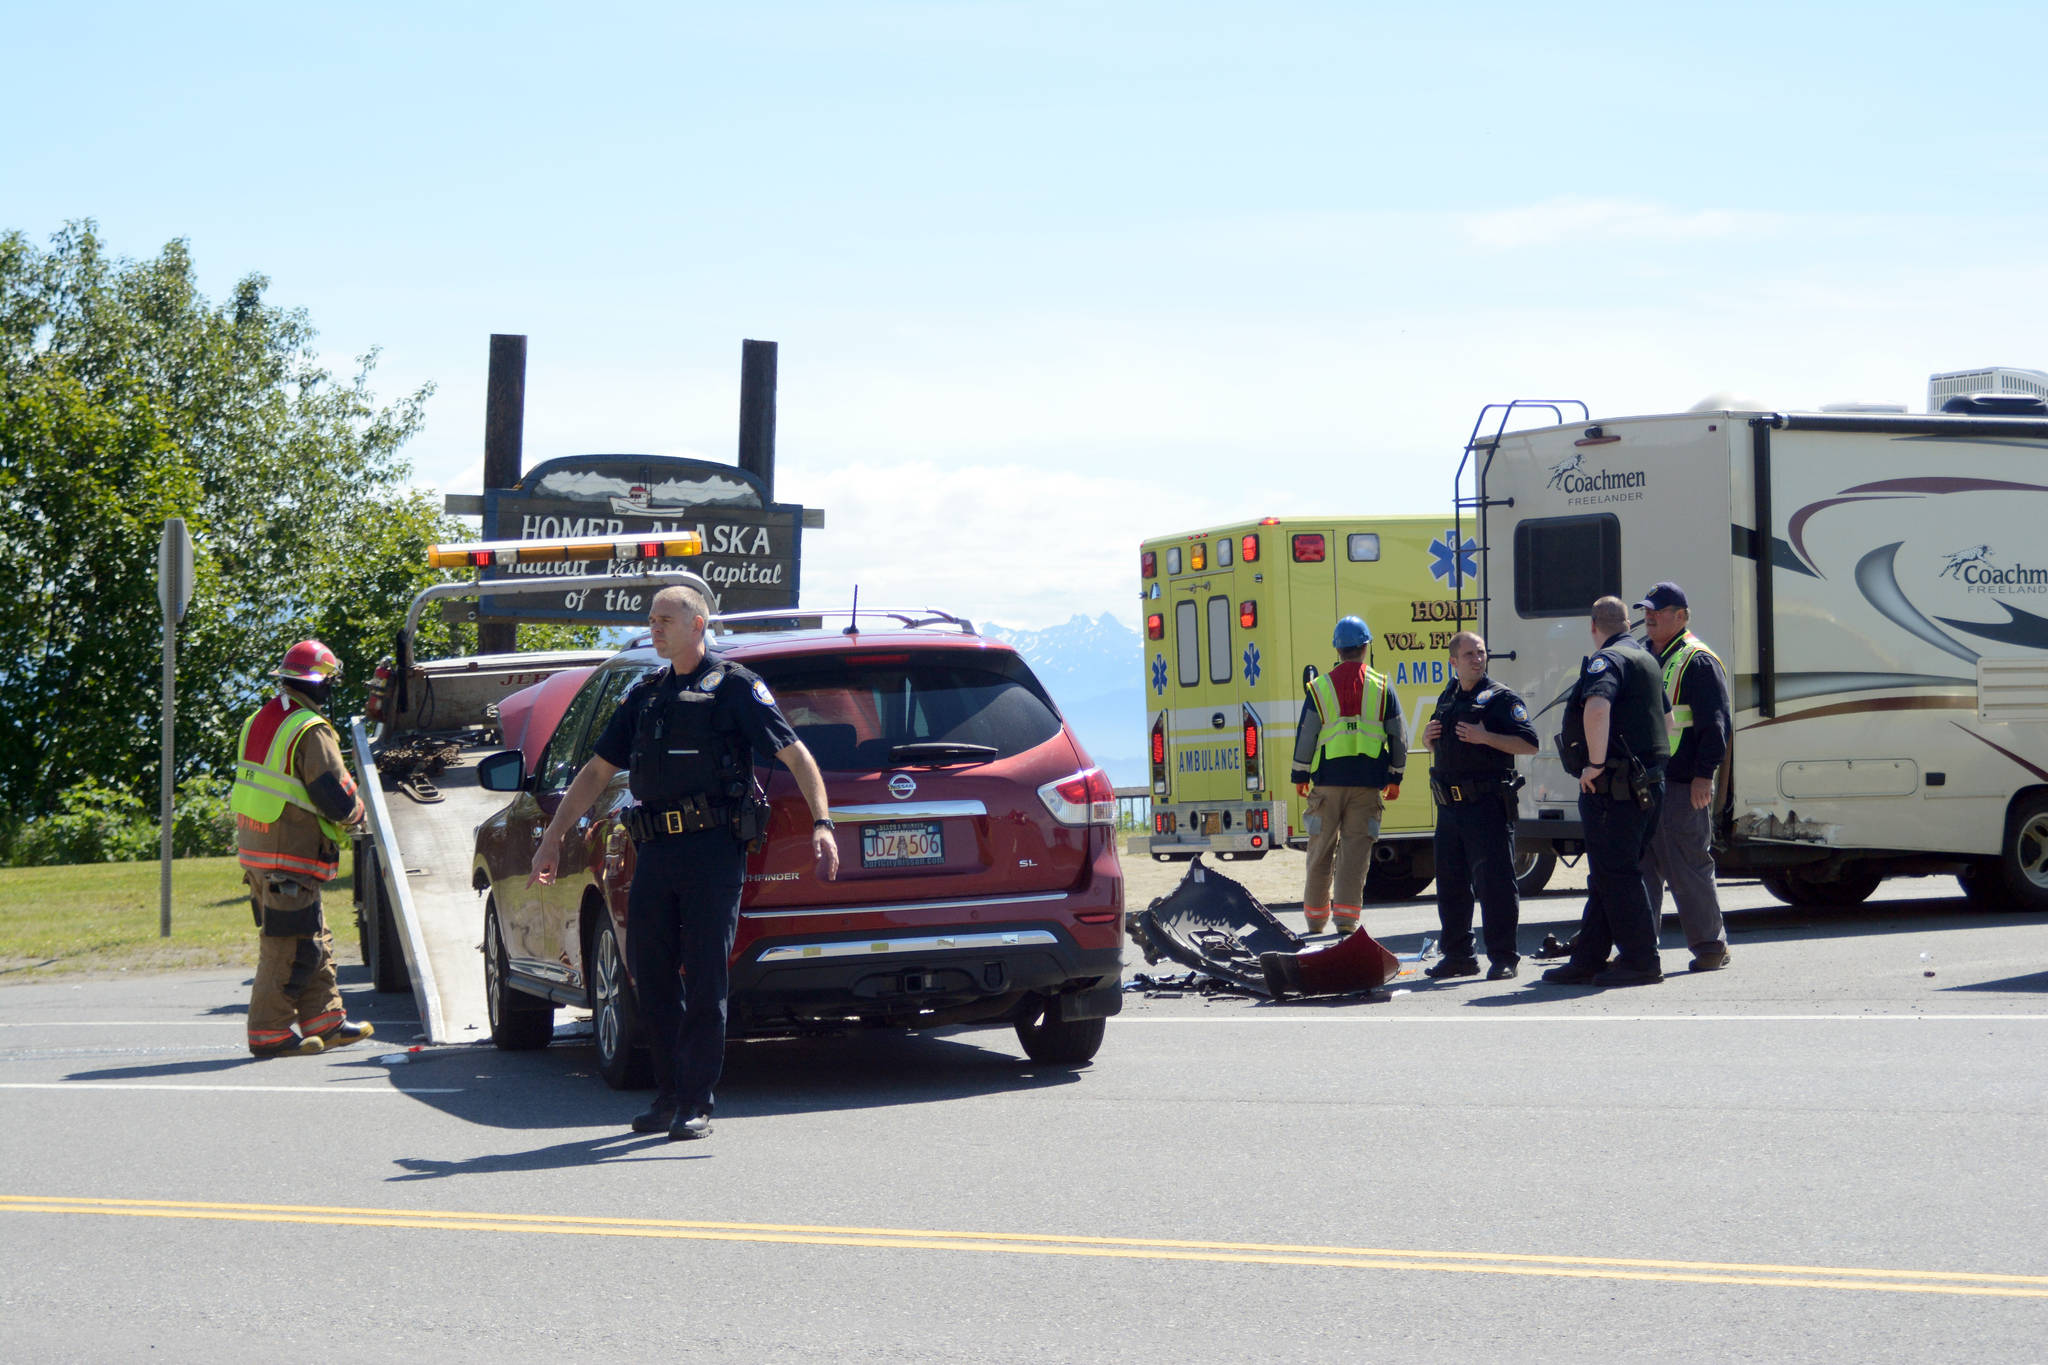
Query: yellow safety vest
(1689,644)
(264,787)
(1344,736)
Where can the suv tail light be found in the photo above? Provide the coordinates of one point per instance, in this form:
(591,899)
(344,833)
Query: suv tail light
(1086,798)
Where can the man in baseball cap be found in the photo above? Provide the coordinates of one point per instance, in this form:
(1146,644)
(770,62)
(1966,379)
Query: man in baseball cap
(1682,845)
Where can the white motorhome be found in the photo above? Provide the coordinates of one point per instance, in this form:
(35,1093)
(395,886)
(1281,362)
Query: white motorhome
(1876,585)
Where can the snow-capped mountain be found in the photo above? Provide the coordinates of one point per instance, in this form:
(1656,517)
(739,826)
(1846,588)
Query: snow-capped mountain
(1094,668)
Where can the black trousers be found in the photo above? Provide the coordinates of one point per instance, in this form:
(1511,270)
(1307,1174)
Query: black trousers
(1618,915)
(1475,852)
(680,918)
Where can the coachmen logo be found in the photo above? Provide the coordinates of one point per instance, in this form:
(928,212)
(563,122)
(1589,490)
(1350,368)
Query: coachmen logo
(1585,488)
(902,786)
(1974,566)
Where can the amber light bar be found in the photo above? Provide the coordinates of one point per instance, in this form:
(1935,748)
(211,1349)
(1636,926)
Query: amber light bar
(484,554)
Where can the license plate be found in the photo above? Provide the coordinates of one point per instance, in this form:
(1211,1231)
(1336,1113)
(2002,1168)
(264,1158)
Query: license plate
(909,843)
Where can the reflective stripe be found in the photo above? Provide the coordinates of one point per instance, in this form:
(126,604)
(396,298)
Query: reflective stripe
(321,869)
(1346,736)
(1674,670)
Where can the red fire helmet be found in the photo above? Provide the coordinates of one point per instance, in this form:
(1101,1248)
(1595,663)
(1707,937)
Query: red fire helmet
(308,661)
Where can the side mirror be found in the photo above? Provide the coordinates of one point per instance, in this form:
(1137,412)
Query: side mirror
(502,772)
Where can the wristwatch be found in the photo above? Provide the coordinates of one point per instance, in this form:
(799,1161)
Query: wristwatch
(821,824)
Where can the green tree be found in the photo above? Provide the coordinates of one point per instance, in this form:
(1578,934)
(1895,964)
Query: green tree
(127,397)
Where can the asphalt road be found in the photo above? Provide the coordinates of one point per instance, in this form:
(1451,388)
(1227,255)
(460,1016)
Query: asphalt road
(1821,1153)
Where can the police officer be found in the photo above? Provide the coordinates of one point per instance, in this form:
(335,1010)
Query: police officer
(1473,736)
(1352,744)
(1682,846)
(689,734)
(293,801)
(1614,743)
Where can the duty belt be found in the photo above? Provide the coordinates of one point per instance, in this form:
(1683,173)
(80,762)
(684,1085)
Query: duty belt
(1452,789)
(688,816)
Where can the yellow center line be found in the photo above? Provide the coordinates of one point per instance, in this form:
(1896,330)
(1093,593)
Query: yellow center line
(1044,1244)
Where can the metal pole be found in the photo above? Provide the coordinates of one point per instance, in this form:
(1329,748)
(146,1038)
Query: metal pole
(164,806)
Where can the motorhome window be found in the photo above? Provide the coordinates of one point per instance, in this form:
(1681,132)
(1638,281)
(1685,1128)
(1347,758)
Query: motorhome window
(1362,546)
(1187,643)
(1221,665)
(1563,563)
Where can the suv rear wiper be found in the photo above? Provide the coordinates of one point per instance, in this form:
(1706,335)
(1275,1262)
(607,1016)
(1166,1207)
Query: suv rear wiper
(939,751)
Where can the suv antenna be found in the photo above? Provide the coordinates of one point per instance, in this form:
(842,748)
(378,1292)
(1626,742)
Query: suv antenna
(853,617)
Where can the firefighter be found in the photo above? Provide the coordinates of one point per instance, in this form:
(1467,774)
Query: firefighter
(293,801)
(1352,745)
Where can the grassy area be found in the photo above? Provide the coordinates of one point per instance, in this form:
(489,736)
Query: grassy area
(103,918)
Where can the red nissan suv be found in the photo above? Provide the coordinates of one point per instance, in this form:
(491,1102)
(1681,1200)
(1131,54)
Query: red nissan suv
(978,878)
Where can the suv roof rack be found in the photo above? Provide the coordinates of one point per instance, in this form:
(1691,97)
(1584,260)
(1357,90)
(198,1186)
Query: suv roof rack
(910,618)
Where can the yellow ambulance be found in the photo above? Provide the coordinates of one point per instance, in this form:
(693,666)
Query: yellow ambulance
(1233,617)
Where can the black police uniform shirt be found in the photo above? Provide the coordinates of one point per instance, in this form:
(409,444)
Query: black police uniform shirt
(1627,676)
(692,717)
(1494,708)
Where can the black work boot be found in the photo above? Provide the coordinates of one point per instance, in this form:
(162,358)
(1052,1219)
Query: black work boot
(696,1125)
(658,1118)
(346,1032)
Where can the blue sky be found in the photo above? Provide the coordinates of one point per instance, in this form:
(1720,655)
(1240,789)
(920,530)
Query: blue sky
(1050,278)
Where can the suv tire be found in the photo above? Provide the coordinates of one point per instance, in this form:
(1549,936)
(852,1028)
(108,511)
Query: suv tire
(615,1015)
(519,1022)
(1054,1041)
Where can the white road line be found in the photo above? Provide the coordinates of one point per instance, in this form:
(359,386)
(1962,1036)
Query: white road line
(122,1023)
(253,1089)
(1262,1018)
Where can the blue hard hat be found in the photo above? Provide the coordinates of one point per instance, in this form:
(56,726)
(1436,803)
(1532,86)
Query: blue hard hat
(1351,633)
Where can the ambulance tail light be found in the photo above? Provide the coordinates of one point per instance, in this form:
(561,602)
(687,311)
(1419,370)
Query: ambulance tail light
(1159,755)
(1148,564)
(1247,614)
(1308,548)
(1254,747)
(1248,550)
(1086,798)
(1155,626)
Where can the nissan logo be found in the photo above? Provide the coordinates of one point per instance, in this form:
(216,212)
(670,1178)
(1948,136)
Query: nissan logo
(902,786)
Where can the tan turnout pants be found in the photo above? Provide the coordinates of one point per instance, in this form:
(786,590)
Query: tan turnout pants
(1342,824)
(294,985)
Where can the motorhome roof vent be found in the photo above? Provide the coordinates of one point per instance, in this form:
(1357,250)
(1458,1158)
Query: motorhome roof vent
(1989,379)
(1998,404)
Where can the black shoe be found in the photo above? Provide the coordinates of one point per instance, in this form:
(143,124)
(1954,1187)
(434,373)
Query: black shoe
(1501,971)
(1453,966)
(1708,957)
(656,1119)
(1568,975)
(1553,946)
(1618,975)
(697,1125)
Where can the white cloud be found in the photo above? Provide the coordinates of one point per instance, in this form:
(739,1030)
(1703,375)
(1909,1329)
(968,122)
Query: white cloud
(1571,219)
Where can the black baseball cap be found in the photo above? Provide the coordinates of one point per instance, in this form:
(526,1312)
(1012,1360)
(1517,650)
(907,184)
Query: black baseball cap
(1665,595)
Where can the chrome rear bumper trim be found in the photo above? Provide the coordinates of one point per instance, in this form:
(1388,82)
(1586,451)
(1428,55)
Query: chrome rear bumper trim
(924,943)
(976,903)
(907,810)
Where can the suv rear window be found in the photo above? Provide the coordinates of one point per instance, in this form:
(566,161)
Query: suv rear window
(853,712)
